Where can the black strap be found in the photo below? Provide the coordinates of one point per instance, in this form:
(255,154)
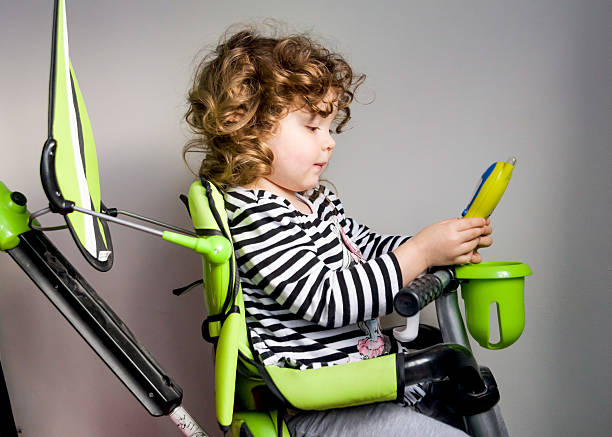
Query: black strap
(186,288)
(206,330)
(216,318)
(208,232)
(232,289)
(280,418)
(211,204)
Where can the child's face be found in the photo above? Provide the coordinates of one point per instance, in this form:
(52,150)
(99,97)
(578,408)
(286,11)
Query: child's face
(302,147)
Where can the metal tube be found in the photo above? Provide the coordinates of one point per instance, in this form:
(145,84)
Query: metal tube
(39,213)
(485,424)
(119,221)
(450,319)
(188,426)
(157,222)
(453,331)
(110,218)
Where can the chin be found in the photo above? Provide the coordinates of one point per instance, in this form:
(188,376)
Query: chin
(310,186)
(305,186)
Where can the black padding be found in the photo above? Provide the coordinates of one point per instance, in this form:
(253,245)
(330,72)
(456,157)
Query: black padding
(185,201)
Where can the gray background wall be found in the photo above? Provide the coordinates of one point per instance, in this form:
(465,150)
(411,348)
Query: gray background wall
(453,86)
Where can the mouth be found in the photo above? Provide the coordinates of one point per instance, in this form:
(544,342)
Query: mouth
(320,165)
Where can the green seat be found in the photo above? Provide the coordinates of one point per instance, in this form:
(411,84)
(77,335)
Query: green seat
(247,392)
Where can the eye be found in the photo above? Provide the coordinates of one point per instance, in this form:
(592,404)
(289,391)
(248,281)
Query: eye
(312,128)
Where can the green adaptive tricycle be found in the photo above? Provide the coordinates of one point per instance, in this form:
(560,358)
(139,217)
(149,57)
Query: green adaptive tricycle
(251,399)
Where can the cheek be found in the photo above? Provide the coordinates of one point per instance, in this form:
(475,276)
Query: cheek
(293,158)
(286,164)
(308,154)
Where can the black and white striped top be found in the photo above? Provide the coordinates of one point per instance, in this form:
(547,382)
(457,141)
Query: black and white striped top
(303,297)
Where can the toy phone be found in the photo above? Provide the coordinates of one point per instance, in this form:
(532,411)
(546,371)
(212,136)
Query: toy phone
(490,189)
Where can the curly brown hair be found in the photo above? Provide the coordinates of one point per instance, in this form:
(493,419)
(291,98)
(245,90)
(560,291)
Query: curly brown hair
(246,85)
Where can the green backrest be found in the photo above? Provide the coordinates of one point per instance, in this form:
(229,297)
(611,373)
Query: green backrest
(217,278)
(225,325)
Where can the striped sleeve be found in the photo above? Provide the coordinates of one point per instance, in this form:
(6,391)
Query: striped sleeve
(278,257)
(370,243)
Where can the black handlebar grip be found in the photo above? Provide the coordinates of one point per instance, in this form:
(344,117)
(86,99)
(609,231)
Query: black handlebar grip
(418,294)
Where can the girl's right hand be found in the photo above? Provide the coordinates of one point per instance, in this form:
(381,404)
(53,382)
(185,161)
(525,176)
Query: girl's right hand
(452,241)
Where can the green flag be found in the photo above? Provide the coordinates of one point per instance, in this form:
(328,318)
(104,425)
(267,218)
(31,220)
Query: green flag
(76,163)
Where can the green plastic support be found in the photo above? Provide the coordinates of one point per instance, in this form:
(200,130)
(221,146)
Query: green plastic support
(502,283)
(226,360)
(216,248)
(14,217)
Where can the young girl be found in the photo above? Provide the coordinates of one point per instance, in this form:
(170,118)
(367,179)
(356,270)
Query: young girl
(314,280)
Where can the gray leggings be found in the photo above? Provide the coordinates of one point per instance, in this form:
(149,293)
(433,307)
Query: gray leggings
(384,419)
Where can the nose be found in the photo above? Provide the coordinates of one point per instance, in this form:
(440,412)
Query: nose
(329,142)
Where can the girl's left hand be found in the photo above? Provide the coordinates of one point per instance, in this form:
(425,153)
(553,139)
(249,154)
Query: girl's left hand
(485,241)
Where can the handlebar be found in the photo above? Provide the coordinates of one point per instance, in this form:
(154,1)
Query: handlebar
(421,291)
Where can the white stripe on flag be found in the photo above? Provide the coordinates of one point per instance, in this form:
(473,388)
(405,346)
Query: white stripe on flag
(90,239)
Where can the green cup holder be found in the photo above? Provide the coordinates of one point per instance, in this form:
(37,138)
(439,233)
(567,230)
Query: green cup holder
(484,284)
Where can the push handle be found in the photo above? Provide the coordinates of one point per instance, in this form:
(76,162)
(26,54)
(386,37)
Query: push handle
(420,292)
